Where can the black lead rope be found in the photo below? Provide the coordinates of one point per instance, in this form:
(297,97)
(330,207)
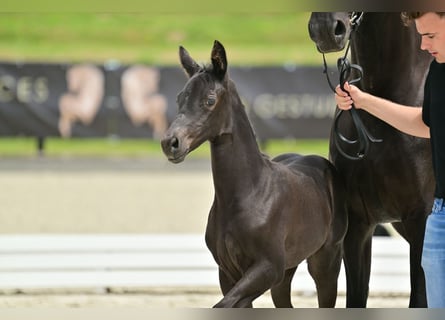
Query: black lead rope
(364,138)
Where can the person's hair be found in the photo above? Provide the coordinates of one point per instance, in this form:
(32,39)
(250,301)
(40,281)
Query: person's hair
(409,17)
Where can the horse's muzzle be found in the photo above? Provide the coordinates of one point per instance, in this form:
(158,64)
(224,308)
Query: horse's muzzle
(171,147)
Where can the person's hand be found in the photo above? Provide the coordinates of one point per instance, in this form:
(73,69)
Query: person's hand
(342,98)
(345,99)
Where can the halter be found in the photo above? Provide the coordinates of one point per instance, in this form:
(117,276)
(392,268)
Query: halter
(345,68)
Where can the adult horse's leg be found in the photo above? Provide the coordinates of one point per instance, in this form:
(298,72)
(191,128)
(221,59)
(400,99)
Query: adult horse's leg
(324,267)
(281,293)
(413,230)
(357,259)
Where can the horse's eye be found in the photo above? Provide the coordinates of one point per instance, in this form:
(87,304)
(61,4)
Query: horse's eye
(210,101)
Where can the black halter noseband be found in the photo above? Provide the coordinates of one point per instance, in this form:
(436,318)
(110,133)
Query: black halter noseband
(345,68)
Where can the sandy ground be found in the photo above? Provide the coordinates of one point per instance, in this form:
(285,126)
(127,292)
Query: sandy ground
(118,196)
(104,196)
(174,298)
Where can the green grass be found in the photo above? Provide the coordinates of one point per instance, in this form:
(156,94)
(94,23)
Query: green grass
(255,39)
(135,148)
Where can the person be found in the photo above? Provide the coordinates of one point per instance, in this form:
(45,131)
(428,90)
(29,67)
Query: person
(426,122)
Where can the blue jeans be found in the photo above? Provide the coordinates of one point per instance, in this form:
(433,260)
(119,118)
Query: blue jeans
(433,255)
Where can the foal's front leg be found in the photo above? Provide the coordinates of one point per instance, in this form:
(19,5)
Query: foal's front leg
(256,280)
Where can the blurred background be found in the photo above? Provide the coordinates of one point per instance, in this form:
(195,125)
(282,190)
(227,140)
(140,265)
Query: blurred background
(84,98)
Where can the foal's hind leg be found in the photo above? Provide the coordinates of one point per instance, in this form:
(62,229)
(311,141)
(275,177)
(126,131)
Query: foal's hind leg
(324,267)
(254,282)
(281,293)
(226,284)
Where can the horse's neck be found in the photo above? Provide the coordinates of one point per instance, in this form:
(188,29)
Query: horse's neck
(394,66)
(236,159)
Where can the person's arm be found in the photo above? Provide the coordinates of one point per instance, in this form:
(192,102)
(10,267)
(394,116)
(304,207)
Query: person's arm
(404,118)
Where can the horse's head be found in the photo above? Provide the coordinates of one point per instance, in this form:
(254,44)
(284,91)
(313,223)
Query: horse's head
(202,114)
(330,30)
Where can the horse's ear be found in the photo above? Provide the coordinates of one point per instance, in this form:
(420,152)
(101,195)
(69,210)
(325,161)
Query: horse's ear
(189,65)
(219,60)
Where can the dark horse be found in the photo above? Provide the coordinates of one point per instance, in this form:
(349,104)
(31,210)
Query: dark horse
(267,215)
(394,182)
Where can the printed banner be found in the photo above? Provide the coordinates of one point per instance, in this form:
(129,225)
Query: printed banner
(139,101)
